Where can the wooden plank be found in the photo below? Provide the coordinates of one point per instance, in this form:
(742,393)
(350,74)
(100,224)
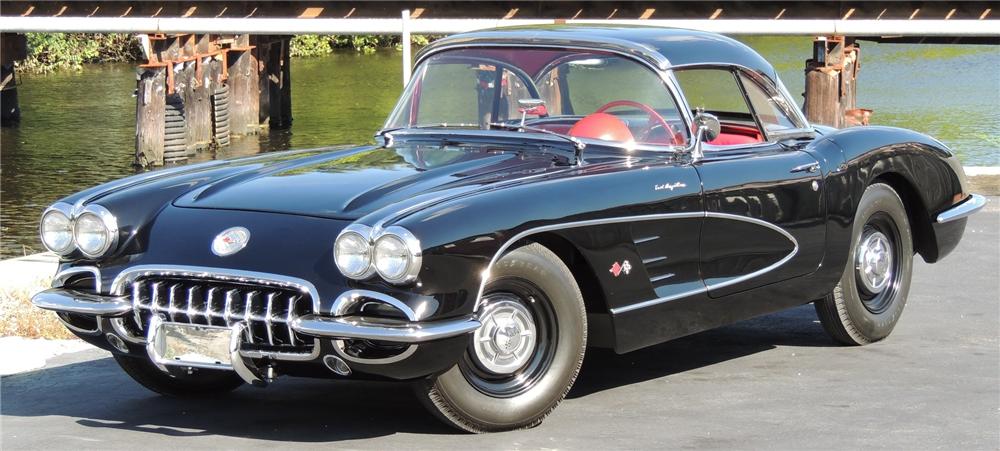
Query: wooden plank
(286,83)
(262,55)
(244,92)
(274,75)
(149,117)
(200,119)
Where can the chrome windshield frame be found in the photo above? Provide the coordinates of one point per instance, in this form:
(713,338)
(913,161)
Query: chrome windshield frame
(651,60)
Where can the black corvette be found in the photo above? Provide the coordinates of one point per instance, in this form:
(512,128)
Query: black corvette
(535,192)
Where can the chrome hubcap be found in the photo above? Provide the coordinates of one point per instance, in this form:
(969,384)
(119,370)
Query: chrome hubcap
(873,261)
(507,337)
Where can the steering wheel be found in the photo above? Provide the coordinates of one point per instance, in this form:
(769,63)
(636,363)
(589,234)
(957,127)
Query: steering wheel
(655,120)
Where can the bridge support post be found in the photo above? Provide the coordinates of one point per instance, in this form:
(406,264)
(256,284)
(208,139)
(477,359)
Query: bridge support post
(831,76)
(13,47)
(244,98)
(275,81)
(196,90)
(150,103)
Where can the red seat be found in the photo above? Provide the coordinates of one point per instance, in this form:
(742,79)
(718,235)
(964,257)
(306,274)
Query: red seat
(730,139)
(602,126)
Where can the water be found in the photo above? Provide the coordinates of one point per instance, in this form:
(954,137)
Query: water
(77,129)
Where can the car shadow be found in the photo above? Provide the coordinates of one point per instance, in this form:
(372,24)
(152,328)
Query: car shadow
(603,369)
(97,394)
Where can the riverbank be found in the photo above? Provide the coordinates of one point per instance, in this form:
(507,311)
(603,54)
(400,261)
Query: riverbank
(49,52)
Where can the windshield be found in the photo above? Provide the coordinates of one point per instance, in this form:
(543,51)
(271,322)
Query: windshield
(583,94)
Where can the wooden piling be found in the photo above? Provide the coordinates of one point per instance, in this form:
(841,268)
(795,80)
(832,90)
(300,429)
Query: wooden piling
(243,82)
(275,81)
(831,75)
(149,117)
(13,47)
(215,86)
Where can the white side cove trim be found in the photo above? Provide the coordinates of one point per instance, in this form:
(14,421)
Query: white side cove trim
(653,217)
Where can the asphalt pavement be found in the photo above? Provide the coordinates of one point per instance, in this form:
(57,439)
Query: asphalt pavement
(776,382)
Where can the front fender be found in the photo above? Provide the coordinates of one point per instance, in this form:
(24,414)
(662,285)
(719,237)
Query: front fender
(926,174)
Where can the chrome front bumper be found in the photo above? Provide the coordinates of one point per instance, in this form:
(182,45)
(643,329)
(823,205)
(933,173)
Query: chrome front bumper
(967,207)
(334,327)
(72,301)
(359,327)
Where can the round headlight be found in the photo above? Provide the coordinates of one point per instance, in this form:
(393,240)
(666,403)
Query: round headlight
(352,254)
(57,232)
(397,255)
(93,237)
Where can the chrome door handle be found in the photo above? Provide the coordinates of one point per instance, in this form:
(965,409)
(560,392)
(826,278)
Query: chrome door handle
(808,167)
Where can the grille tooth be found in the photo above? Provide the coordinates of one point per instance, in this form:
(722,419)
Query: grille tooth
(288,319)
(248,314)
(267,318)
(228,315)
(267,310)
(173,305)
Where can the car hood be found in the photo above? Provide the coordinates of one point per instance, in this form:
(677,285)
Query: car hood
(350,184)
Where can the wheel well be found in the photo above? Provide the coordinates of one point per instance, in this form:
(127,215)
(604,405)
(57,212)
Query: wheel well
(593,296)
(916,212)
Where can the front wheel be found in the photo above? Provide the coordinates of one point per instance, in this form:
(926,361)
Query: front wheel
(526,355)
(865,306)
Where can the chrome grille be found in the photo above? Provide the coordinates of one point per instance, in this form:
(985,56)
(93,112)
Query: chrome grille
(267,310)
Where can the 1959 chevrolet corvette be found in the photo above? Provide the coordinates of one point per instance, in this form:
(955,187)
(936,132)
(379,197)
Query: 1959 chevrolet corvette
(536,191)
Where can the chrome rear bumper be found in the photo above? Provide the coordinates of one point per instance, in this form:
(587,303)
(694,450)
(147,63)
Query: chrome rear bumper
(72,301)
(970,205)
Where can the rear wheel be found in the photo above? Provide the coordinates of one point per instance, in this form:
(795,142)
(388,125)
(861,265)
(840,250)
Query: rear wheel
(865,306)
(524,359)
(200,382)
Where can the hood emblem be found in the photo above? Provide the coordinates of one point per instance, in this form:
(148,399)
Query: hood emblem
(230,241)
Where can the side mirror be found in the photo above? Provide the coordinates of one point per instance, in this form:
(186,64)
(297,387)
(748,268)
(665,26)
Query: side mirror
(709,124)
(706,127)
(534,107)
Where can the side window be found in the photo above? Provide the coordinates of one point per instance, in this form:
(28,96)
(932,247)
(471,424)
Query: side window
(593,82)
(770,114)
(713,90)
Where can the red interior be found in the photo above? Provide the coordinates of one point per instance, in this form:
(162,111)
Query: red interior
(730,135)
(601,126)
(736,134)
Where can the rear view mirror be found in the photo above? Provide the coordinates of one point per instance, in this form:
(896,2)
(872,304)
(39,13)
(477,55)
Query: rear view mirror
(534,107)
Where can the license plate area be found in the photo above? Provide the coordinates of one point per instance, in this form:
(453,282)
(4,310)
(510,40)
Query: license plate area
(192,345)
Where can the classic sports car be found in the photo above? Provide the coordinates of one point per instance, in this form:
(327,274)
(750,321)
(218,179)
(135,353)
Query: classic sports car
(534,192)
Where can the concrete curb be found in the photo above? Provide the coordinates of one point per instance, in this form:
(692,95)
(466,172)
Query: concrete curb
(984,180)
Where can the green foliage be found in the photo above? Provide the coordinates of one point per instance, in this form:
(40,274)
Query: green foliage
(319,45)
(51,51)
(54,51)
(311,45)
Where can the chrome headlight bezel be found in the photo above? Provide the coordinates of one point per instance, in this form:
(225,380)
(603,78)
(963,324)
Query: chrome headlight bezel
(364,233)
(107,220)
(414,254)
(371,237)
(66,210)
